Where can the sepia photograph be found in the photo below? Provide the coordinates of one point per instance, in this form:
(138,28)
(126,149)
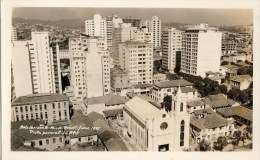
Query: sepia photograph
(105,79)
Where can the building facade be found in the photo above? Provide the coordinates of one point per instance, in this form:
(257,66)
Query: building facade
(97,27)
(171,47)
(134,22)
(90,71)
(137,60)
(36,73)
(201,50)
(157,129)
(49,107)
(119,80)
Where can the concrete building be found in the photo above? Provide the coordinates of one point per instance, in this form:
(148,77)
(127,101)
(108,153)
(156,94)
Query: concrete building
(97,27)
(210,126)
(119,80)
(54,50)
(162,89)
(159,77)
(240,81)
(90,71)
(64,54)
(137,60)
(171,49)
(155,28)
(228,47)
(157,129)
(201,50)
(235,58)
(35,73)
(49,107)
(133,21)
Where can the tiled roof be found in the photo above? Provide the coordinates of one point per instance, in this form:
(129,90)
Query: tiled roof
(241,78)
(107,99)
(187,89)
(40,98)
(239,111)
(203,111)
(173,83)
(82,121)
(112,112)
(143,86)
(209,122)
(195,103)
(217,97)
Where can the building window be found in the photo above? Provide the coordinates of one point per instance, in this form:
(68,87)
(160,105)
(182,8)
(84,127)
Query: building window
(21,109)
(40,142)
(182,133)
(54,140)
(181,107)
(47,141)
(53,105)
(45,106)
(60,139)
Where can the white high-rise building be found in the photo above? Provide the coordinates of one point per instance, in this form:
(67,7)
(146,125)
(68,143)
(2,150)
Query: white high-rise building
(137,60)
(155,28)
(171,49)
(33,65)
(201,50)
(97,27)
(90,70)
(125,33)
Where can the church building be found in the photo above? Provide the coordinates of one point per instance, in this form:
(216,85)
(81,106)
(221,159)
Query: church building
(153,128)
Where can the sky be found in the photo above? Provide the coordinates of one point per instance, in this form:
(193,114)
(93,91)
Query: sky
(191,15)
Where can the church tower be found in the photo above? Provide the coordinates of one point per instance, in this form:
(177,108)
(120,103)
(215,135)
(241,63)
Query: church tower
(181,119)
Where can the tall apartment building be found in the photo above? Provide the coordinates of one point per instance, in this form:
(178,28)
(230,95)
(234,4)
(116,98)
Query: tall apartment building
(14,34)
(49,107)
(112,22)
(90,71)
(134,22)
(201,50)
(33,65)
(137,60)
(171,49)
(125,33)
(97,27)
(155,28)
(54,50)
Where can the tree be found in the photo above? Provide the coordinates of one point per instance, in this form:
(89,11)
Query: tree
(167,103)
(223,89)
(157,65)
(203,146)
(220,144)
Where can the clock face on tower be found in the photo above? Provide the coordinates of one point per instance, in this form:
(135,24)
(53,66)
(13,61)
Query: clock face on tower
(164,126)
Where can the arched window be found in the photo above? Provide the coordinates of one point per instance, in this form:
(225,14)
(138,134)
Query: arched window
(182,133)
(181,107)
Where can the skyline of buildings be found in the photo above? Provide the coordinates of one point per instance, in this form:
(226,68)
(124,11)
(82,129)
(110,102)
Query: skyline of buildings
(116,85)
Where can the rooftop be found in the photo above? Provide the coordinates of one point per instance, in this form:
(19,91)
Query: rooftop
(187,89)
(143,86)
(142,108)
(112,112)
(173,83)
(107,99)
(209,122)
(195,103)
(40,98)
(237,111)
(241,78)
(217,97)
(203,111)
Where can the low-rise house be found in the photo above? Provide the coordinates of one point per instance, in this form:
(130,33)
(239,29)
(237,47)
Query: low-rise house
(142,89)
(34,134)
(162,89)
(234,58)
(49,107)
(104,103)
(159,77)
(229,70)
(240,82)
(215,76)
(240,114)
(119,80)
(194,105)
(218,101)
(210,126)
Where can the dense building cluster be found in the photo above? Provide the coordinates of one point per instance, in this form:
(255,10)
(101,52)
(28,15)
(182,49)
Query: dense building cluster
(113,100)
